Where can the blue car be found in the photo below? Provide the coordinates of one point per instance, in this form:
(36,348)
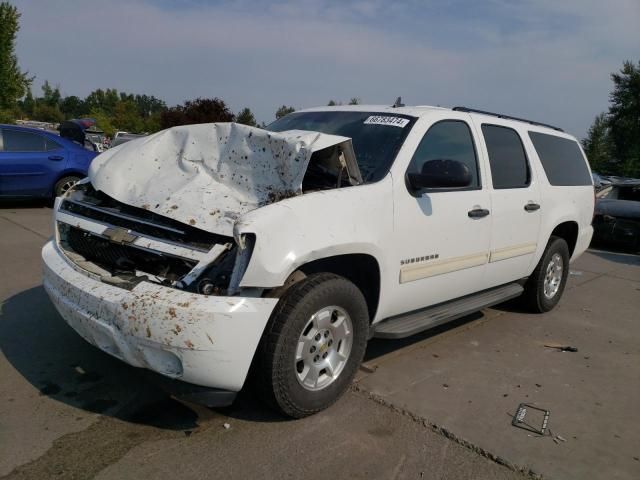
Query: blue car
(36,163)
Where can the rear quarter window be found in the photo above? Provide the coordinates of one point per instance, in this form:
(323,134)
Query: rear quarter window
(561,159)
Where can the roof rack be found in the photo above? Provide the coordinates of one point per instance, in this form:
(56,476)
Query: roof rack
(508,117)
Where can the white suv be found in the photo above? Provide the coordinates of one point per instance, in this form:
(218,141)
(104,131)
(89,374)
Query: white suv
(208,251)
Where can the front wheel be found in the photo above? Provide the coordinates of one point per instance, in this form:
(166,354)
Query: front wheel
(546,284)
(313,345)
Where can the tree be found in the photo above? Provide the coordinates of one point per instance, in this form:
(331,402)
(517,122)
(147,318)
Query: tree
(624,118)
(355,101)
(246,117)
(152,123)
(46,113)
(126,117)
(148,105)
(104,100)
(284,110)
(13,82)
(103,122)
(597,146)
(72,107)
(51,96)
(28,103)
(332,103)
(200,110)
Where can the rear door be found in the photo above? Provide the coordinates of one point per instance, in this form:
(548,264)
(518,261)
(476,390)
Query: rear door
(515,200)
(29,163)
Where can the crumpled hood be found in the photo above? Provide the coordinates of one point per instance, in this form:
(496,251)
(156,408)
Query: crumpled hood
(207,175)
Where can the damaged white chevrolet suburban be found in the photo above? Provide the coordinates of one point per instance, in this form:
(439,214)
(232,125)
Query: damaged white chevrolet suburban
(209,252)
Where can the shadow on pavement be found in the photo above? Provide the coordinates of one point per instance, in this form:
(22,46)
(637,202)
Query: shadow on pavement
(621,256)
(62,366)
(379,347)
(26,203)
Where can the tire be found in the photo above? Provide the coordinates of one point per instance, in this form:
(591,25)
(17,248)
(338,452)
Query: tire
(321,303)
(536,298)
(64,184)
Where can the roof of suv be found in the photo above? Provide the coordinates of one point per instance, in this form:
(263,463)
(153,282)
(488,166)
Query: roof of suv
(420,110)
(414,111)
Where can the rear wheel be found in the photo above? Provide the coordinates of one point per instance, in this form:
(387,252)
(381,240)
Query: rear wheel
(546,284)
(63,185)
(313,345)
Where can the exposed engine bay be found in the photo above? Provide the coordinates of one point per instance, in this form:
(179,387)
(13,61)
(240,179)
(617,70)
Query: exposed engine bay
(162,209)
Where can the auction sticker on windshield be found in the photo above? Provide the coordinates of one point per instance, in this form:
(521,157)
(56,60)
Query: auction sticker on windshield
(385,120)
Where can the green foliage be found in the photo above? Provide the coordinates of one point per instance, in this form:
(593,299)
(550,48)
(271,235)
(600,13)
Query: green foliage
(200,110)
(102,100)
(73,107)
(613,140)
(246,117)
(152,123)
(284,110)
(352,101)
(624,118)
(114,110)
(103,121)
(126,117)
(51,96)
(13,82)
(47,113)
(597,146)
(7,116)
(28,104)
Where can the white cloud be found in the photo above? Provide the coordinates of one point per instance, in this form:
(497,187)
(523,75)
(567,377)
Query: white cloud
(544,59)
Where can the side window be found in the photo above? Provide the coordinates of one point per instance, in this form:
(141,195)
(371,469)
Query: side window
(561,159)
(15,141)
(508,161)
(447,140)
(52,144)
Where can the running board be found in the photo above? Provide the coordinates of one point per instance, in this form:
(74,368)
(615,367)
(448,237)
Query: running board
(417,321)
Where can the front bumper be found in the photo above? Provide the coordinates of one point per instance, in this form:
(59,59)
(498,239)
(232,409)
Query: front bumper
(203,340)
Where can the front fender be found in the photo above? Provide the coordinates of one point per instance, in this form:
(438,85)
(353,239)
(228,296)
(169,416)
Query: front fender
(317,225)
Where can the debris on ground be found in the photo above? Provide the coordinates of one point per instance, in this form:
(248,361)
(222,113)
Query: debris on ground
(226,426)
(563,348)
(522,418)
(575,272)
(367,368)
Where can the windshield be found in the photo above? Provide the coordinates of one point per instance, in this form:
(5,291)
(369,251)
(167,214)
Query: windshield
(376,137)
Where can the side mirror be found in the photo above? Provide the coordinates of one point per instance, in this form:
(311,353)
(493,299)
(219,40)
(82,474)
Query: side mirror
(441,174)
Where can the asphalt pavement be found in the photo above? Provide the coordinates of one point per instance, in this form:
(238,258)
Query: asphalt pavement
(435,406)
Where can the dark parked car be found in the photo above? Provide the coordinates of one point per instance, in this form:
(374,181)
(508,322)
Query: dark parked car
(126,137)
(37,163)
(617,216)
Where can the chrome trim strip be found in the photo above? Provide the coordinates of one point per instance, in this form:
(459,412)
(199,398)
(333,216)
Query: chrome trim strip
(511,252)
(122,215)
(414,272)
(143,242)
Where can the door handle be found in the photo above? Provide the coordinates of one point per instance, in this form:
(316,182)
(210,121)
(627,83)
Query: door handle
(56,158)
(531,207)
(478,213)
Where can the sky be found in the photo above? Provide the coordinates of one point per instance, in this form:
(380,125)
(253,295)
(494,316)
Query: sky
(547,60)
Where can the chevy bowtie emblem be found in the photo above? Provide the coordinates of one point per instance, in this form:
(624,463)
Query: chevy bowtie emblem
(119,235)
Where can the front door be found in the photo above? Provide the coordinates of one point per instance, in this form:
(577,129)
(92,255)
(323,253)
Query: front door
(441,235)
